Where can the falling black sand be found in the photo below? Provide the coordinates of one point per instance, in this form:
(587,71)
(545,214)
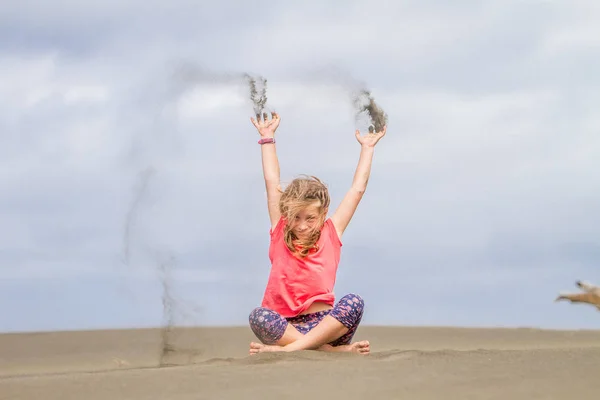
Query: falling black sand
(187,75)
(258,101)
(364,103)
(139,191)
(165,262)
(167,348)
(171,354)
(157,255)
(364,107)
(164,267)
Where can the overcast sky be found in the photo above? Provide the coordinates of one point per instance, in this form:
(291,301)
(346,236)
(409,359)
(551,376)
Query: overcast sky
(126,144)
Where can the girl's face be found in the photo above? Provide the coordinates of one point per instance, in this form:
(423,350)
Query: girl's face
(306,221)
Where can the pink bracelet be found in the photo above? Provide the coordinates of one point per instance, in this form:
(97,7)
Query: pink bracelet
(266,140)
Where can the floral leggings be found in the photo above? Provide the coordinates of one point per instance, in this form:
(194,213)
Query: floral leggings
(269,326)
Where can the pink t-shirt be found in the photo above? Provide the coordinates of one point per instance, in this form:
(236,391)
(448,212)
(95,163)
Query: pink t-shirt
(295,283)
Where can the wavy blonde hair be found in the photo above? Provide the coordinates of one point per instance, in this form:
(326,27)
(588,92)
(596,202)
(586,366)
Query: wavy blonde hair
(299,194)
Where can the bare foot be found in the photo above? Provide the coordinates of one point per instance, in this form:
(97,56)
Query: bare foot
(362,347)
(256,348)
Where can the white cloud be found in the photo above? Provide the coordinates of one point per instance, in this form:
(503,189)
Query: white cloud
(575,31)
(79,94)
(202,101)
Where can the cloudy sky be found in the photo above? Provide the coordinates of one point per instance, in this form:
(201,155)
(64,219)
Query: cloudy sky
(129,165)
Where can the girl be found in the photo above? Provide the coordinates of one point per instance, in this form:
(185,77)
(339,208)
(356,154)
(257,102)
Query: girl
(298,310)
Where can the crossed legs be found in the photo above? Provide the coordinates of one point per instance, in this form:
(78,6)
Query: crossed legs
(330,330)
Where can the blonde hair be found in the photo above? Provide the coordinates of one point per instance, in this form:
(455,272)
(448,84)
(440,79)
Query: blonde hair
(299,194)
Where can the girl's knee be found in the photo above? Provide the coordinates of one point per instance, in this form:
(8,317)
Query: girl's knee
(349,310)
(354,301)
(267,325)
(261,316)
(256,313)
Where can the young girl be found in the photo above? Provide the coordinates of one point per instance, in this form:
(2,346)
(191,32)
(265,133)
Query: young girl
(298,310)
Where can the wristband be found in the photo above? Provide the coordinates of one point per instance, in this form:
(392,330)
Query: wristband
(266,140)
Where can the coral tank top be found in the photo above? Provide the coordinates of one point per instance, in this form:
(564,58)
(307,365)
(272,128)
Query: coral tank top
(295,283)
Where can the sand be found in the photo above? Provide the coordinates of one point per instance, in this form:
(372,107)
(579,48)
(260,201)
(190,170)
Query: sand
(212,363)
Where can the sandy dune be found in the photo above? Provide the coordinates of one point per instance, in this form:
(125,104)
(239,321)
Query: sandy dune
(212,363)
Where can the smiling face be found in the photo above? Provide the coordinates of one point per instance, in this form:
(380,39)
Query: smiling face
(304,205)
(307,221)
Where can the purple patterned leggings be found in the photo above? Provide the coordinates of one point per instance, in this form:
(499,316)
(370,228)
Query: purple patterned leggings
(269,326)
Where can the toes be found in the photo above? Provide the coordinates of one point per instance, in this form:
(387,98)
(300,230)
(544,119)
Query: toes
(255,348)
(364,347)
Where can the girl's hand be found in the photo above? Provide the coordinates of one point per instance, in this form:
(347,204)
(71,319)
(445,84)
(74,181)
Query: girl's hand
(371,138)
(265,127)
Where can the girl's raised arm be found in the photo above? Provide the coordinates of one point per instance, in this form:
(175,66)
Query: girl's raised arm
(342,216)
(266,129)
